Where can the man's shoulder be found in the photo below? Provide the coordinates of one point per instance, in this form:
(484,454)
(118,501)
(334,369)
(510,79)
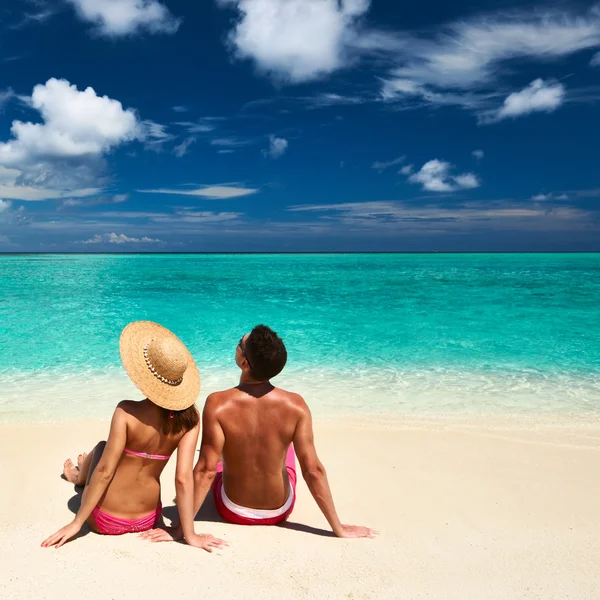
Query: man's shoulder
(292,398)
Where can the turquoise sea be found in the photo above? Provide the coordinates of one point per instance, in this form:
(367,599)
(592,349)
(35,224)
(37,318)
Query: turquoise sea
(415,334)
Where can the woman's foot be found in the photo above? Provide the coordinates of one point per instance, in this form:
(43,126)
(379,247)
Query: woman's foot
(70,471)
(80,460)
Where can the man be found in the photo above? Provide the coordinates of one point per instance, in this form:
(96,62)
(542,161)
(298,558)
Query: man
(253,427)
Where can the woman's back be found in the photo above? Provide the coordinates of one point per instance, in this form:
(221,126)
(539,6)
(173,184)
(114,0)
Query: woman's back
(134,490)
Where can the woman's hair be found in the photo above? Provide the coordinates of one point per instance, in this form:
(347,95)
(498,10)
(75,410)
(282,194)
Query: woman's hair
(176,421)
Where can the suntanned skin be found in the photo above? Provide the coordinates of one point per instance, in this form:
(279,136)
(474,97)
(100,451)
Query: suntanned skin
(251,427)
(129,486)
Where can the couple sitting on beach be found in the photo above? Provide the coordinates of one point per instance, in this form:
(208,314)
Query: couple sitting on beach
(251,428)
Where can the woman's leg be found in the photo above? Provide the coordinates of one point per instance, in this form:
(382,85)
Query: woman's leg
(80,477)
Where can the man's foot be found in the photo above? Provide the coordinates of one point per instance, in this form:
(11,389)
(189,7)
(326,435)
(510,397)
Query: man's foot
(80,460)
(70,471)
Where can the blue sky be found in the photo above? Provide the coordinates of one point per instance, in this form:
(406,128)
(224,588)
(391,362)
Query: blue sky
(299,125)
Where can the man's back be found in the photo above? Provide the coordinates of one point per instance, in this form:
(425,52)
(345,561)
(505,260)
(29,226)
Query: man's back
(258,423)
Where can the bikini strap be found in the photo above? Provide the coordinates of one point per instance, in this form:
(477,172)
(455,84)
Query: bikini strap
(146,455)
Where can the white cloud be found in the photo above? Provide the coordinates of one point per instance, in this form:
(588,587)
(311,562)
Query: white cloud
(180,109)
(5,205)
(538,96)
(295,40)
(491,214)
(595,62)
(113,238)
(541,197)
(549,196)
(34,194)
(382,165)
(115,18)
(407,170)
(468,53)
(214,192)
(61,155)
(435,176)
(181,149)
(74,124)
(193,216)
(230,142)
(116,199)
(463,62)
(203,125)
(277,147)
(6,96)
(478,154)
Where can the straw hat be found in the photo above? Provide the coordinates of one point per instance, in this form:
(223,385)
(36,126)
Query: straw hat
(160,365)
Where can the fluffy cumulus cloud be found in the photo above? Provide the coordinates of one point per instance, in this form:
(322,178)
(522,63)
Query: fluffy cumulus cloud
(295,40)
(435,176)
(277,147)
(125,17)
(538,96)
(462,63)
(75,123)
(121,238)
(61,155)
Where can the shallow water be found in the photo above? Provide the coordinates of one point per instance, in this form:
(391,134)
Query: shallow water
(415,334)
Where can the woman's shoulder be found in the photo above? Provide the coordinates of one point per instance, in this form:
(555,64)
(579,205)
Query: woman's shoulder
(130,407)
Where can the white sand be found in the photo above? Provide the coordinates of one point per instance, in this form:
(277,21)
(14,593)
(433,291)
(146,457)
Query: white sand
(465,512)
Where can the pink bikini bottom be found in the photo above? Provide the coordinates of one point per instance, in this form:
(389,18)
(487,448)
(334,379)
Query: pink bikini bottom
(109,525)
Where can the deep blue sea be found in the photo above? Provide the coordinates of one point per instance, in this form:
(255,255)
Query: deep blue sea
(379,334)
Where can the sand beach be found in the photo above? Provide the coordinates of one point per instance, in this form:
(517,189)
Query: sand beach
(466,509)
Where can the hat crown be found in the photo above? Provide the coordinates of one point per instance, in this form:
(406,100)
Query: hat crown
(169,358)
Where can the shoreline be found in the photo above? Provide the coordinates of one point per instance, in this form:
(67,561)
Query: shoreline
(492,421)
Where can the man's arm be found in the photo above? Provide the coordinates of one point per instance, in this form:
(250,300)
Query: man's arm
(315,476)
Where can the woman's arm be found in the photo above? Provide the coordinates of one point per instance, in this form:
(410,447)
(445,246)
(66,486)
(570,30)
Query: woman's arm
(184,487)
(99,480)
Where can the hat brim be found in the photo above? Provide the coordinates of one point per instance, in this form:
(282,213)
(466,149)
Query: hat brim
(172,397)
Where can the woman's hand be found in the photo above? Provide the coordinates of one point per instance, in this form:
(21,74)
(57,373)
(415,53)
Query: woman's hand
(206,542)
(62,535)
(163,534)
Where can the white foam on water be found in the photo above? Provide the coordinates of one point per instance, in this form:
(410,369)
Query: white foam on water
(45,396)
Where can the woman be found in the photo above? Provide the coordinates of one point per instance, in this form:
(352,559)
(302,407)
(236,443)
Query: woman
(122,475)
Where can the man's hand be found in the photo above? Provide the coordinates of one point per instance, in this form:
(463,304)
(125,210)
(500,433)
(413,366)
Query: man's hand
(206,542)
(163,534)
(62,535)
(355,531)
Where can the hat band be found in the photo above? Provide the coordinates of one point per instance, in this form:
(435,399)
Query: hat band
(156,373)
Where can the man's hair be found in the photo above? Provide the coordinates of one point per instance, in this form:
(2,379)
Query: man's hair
(266,353)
